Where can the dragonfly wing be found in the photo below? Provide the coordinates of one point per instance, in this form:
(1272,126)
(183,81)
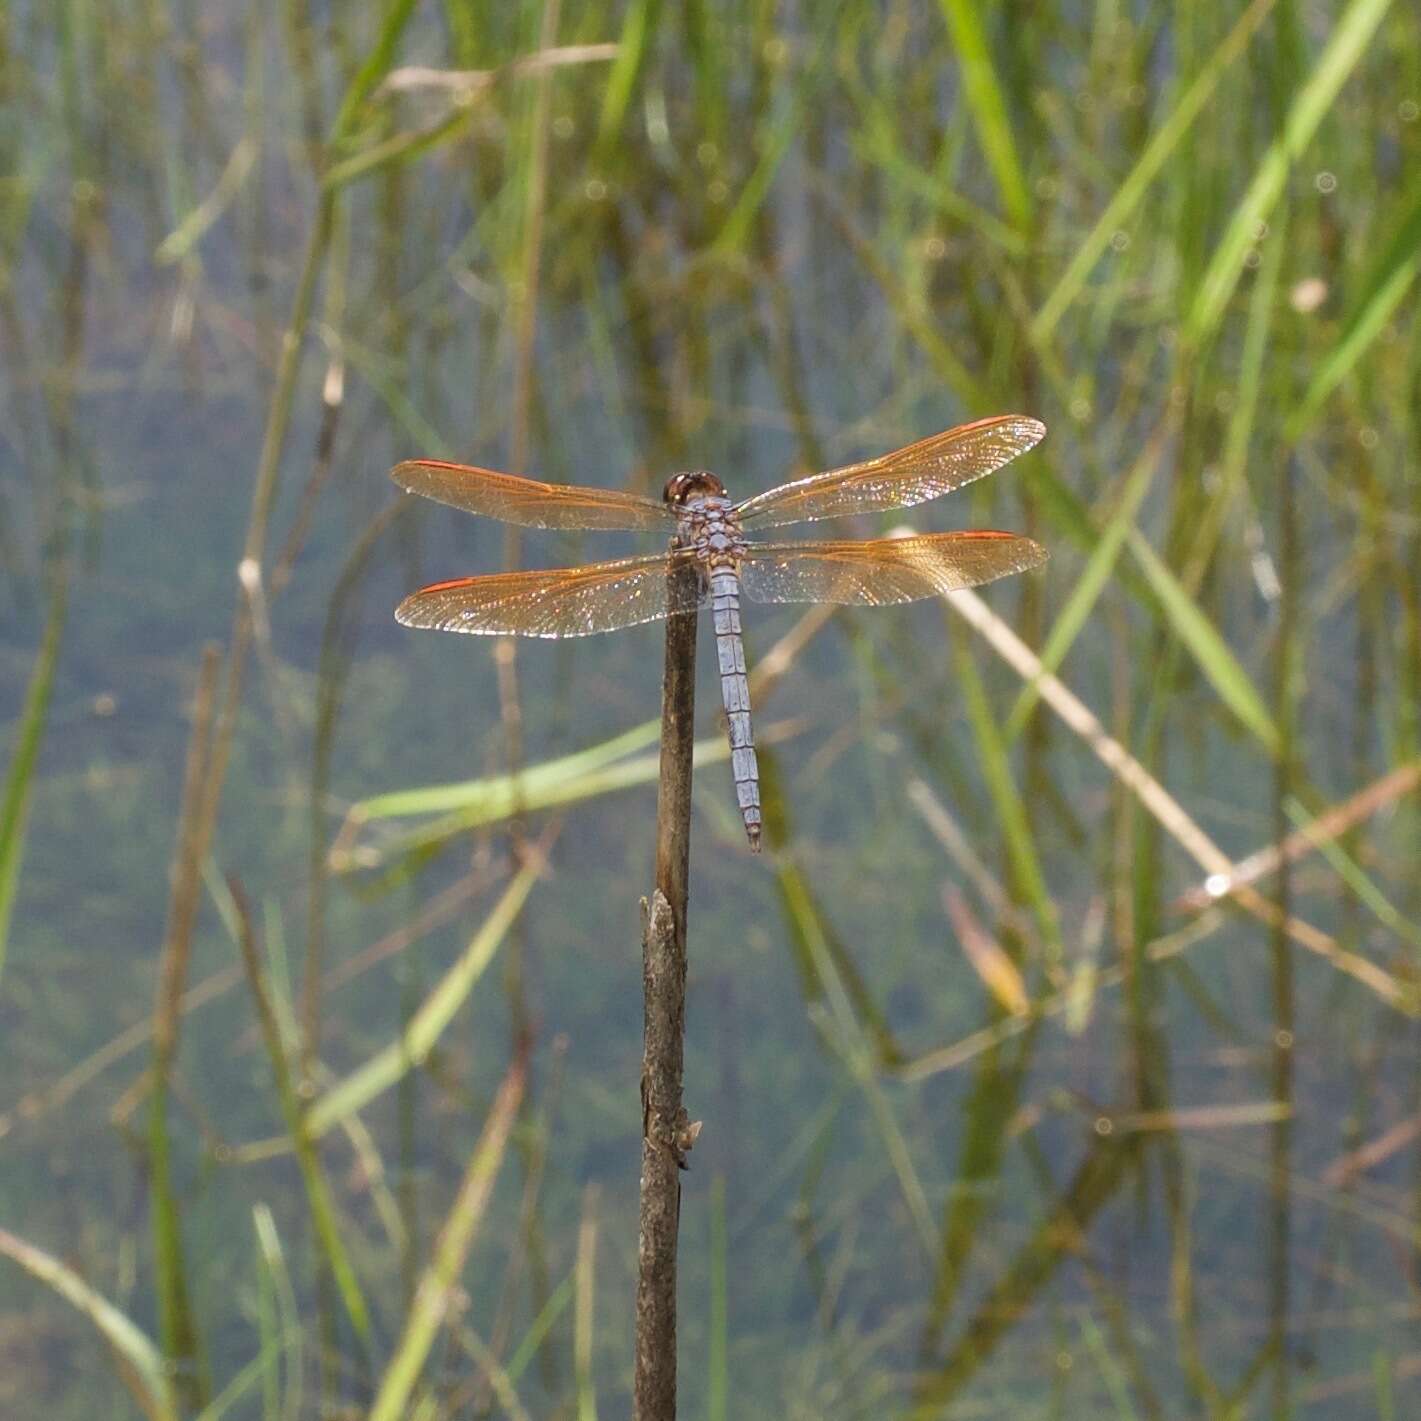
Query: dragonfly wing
(881,571)
(528,502)
(913,474)
(556,602)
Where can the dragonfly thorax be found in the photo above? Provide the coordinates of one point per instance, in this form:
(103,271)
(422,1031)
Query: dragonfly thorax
(705,518)
(710,527)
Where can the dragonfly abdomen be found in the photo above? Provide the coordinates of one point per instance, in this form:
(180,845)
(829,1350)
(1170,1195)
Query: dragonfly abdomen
(735,693)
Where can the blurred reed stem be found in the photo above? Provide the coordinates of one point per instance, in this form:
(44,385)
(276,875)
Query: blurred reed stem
(179,1327)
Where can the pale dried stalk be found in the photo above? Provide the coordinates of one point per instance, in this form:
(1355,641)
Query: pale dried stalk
(1165,808)
(462,83)
(1329,825)
(988,1038)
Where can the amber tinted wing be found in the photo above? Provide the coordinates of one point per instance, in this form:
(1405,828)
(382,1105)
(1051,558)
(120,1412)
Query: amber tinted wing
(881,571)
(557,602)
(914,474)
(528,502)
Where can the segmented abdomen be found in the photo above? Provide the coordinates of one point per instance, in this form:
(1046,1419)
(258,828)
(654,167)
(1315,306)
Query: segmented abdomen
(735,692)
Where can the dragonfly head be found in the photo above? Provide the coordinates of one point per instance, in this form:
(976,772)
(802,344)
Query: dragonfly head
(682,489)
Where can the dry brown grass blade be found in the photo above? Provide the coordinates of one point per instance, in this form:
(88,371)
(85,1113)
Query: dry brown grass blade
(52,1097)
(1360,1384)
(185,874)
(179,1333)
(41,1102)
(438,910)
(141,1366)
(464,83)
(998,972)
(1331,824)
(1340,1173)
(1166,809)
(584,1312)
(781,656)
(948,832)
(1204,1117)
(1343,1171)
(959,1053)
(434,1300)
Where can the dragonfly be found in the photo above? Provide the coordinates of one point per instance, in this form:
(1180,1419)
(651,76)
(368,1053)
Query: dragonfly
(708,535)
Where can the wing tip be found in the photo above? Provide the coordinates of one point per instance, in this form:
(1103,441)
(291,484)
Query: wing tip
(1027,425)
(1032,553)
(410,614)
(412,474)
(415,611)
(406,474)
(400,474)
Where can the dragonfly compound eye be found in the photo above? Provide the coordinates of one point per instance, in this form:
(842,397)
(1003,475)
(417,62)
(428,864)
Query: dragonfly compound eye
(682,488)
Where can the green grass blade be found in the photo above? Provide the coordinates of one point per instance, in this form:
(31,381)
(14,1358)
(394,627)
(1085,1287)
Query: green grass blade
(633,46)
(1250,376)
(1004,1301)
(851,1043)
(398,148)
(1131,192)
(1346,46)
(178,1326)
(146,1371)
(1387,281)
(987,105)
(705,24)
(911,312)
(1116,1383)
(532,783)
(376,66)
(718,1387)
(1011,812)
(736,228)
(1189,623)
(880,146)
(772,144)
(434,1298)
(14,805)
(1383,1381)
(812,938)
(1093,579)
(1362,884)
(987,1110)
(284,1314)
(584,1309)
(188,234)
(557,1304)
(262,1369)
(329,1232)
(499,1382)
(498,798)
(437,1010)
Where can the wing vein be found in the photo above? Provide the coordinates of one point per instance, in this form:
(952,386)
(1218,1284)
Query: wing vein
(529,502)
(554,602)
(881,571)
(908,476)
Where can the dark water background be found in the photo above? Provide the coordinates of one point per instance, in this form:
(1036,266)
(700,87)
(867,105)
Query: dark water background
(761,240)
